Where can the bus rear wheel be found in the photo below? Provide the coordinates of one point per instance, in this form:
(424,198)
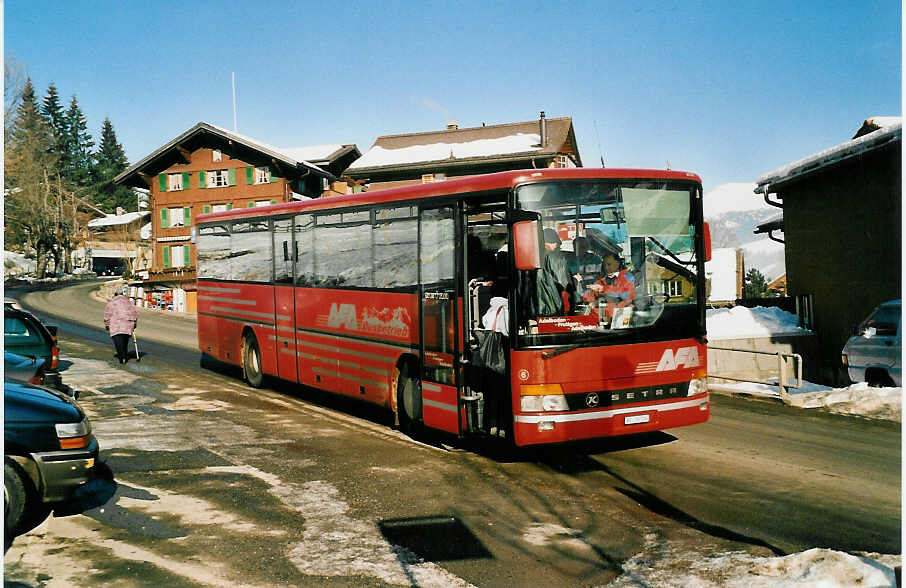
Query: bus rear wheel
(409,400)
(251,362)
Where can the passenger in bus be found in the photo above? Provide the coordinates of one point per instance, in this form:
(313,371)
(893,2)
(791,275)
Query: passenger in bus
(617,287)
(554,284)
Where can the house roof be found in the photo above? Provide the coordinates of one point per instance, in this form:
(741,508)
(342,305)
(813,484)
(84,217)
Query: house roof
(112,220)
(772,224)
(875,133)
(512,141)
(211,136)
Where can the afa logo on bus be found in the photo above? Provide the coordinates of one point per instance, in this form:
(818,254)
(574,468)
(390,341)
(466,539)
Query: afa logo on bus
(386,321)
(683,357)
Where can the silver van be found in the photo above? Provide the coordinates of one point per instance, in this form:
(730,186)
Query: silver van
(872,354)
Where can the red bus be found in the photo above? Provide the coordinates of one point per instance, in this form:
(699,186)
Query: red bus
(541,306)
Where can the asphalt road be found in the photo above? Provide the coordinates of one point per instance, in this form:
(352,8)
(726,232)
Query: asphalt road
(218,481)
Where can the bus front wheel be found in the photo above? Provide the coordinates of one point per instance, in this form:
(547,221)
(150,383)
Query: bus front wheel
(251,361)
(408,400)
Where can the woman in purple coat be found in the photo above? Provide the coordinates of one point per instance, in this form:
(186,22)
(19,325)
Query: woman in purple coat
(120,318)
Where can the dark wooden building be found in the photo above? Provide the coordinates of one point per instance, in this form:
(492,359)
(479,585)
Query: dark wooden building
(843,232)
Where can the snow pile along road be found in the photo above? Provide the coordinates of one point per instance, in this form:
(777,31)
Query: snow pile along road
(814,567)
(740,322)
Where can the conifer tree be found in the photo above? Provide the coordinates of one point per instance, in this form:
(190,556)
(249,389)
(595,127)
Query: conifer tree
(78,154)
(110,160)
(55,118)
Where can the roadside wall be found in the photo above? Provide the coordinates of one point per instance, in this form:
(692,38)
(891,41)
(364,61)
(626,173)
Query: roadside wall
(753,367)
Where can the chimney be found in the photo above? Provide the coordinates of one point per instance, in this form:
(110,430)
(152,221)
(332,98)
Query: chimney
(452,125)
(543,124)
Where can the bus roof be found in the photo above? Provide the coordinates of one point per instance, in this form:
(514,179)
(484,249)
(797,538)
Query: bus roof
(468,184)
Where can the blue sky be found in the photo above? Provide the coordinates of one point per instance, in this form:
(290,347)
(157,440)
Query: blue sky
(729,90)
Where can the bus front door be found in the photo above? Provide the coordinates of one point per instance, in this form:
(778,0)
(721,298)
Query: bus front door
(440,330)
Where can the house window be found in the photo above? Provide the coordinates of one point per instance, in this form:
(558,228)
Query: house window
(218,156)
(176,256)
(218,178)
(262,175)
(563,161)
(220,207)
(655,287)
(174,182)
(673,287)
(264,202)
(427,178)
(176,217)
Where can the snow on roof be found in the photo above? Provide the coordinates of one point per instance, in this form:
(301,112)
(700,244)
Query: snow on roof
(145,232)
(312,152)
(263,146)
(890,129)
(512,144)
(721,270)
(112,220)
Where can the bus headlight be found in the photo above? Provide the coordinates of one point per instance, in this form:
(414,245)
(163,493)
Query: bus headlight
(697,386)
(547,403)
(542,398)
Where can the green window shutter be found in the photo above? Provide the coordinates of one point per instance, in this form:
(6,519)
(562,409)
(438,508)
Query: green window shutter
(185,180)
(206,208)
(164,220)
(202,179)
(231,176)
(251,205)
(274,176)
(166,254)
(229,206)
(273,202)
(162,181)
(187,219)
(187,255)
(249,176)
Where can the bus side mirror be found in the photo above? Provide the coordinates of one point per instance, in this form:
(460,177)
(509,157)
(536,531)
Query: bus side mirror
(527,251)
(706,229)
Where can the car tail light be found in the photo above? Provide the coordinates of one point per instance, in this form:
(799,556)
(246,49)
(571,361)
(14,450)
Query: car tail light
(36,379)
(54,357)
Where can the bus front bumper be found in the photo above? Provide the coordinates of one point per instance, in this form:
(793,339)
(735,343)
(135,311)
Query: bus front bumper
(538,428)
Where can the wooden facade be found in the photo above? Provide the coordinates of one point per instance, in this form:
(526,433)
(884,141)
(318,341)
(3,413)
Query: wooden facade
(843,234)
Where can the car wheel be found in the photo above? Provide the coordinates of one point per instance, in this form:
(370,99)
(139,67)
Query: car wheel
(408,401)
(251,362)
(15,495)
(878,379)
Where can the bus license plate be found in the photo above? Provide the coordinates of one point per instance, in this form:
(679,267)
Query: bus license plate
(636,419)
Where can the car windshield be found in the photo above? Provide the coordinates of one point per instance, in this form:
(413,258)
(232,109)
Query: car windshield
(618,257)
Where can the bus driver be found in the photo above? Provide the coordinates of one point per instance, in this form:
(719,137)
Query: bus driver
(617,286)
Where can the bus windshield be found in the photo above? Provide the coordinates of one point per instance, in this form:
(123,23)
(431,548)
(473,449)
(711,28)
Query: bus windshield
(618,262)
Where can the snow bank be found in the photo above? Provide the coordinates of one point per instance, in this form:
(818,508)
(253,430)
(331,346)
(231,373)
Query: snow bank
(15,264)
(739,322)
(857,400)
(815,567)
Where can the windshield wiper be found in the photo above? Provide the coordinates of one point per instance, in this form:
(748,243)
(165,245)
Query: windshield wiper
(669,252)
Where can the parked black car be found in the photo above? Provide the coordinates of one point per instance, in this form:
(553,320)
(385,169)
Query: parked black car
(25,334)
(49,450)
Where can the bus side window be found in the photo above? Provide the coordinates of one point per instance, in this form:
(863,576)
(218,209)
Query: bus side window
(283,261)
(304,250)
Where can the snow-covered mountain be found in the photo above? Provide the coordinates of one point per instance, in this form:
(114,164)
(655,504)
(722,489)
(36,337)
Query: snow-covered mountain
(734,210)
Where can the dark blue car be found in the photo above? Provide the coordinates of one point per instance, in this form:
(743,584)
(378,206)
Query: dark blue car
(49,450)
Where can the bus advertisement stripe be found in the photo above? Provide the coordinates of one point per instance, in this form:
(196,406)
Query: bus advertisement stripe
(230,300)
(280,317)
(440,405)
(382,385)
